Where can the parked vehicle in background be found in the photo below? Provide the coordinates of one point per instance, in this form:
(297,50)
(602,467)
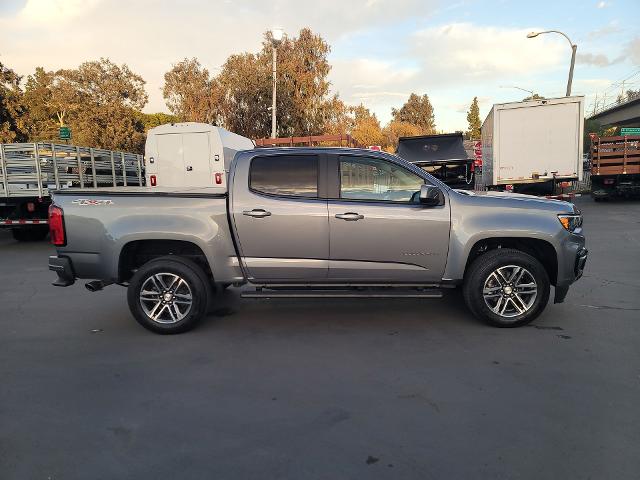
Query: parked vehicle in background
(615,166)
(28,171)
(190,154)
(317,222)
(530,147)
(443,156)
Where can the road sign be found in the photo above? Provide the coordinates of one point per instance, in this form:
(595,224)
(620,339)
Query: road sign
(477,153)
(630,131)
(64,133)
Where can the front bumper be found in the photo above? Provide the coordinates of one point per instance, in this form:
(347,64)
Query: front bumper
(63,267)
(579,262)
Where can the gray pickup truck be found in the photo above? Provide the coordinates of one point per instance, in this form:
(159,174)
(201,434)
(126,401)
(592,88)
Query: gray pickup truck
(317,222)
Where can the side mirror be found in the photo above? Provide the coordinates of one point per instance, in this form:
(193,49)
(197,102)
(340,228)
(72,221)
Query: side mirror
(430,195)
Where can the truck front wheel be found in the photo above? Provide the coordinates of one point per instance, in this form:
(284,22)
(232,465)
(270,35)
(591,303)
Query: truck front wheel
(168,295)
(506,288)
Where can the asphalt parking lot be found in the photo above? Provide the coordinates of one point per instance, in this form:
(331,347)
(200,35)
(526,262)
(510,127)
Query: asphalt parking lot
(333,389)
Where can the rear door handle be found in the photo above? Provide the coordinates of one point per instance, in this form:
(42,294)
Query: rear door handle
(257,213)
(349,216)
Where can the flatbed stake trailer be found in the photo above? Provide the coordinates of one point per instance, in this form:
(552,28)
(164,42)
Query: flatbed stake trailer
(29,170)
(615,166)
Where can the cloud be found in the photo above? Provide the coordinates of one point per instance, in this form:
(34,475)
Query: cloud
(462,51)
(55,10)
(632,51)
(448,62)
(150,35)
(603,4)
(597,60)
(605,31)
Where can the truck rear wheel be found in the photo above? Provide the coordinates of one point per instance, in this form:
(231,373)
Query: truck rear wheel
(169,295)
(506,288)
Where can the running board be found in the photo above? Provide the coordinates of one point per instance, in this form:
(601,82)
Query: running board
(389,293)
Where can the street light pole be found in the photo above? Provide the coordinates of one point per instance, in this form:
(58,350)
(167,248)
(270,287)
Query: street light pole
(276,38)
(273,95)
(573,62)
(574,47)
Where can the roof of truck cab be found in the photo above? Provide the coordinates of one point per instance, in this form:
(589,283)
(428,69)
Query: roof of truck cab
(334,150)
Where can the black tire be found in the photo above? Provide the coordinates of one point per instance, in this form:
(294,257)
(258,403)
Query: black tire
(478,275)
(30,234)
(169,321)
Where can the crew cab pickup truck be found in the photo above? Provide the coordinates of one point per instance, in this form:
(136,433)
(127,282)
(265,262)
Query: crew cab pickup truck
(317,222)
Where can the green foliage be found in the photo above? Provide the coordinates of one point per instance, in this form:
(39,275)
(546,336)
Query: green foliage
(417,111)
(99,101)
(189,92)
(11,107)
(473,119)
(151,120)
(239,97)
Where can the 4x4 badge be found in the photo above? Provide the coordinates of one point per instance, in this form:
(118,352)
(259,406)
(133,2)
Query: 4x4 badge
(92,202)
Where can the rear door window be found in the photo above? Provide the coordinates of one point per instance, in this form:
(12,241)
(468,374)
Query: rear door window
(285,175)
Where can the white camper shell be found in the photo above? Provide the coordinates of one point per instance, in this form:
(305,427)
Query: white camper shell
(190,155)
(533,141)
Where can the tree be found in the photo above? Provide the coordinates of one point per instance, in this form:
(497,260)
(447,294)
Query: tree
(99,100)
(396,129)
(42,108)
(11,106)
(366,130)
(239,97)
(473,118)
(244,96)
(417,111)
(189,92)
(151,120)
(356,121)
(628,96)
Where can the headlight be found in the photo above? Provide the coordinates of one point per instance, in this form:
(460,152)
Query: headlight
(570,222)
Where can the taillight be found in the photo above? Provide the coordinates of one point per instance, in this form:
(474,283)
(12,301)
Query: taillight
(56,226)
(153,180)
(218,177)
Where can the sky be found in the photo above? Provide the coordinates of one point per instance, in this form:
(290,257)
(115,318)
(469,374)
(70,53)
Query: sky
(381,50)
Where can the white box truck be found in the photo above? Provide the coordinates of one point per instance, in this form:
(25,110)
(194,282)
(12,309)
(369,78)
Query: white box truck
(529,147)
(191,155)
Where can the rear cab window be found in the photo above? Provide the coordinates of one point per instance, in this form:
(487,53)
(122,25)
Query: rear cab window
(285,175)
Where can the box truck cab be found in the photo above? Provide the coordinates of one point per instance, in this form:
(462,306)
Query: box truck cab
(191,154)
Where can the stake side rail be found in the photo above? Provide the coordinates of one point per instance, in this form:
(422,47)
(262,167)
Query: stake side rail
(619,155)
(32,169)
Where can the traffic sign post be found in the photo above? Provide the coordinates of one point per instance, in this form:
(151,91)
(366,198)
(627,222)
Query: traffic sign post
(64,133)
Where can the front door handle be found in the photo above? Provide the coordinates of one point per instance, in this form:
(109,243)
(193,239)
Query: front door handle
(349,216)
(257,213)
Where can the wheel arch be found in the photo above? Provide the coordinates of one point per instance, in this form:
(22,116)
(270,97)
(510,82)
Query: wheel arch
(136,253)
(540,249)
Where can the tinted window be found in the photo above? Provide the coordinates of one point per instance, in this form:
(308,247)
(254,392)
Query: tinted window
(292,175)
(363,178)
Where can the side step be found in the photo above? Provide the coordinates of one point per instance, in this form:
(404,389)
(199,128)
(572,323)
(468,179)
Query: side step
(304,293)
